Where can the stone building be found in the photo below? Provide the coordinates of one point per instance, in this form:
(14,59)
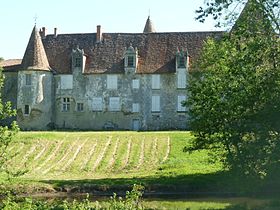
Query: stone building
(103,81)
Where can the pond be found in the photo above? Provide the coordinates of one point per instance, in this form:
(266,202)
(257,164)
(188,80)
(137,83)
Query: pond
(180,202)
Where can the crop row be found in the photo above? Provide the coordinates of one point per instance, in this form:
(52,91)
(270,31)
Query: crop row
(84,155)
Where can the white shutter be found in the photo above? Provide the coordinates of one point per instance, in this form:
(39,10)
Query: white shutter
(135,107)
(135,84)
(155,103)
(114,104)
(155,81)
(97,104)
(181,78)
(66,82)
(112,81)
(181,108)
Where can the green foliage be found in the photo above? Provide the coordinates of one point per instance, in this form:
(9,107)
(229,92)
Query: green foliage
(7,132)
(234,102)
(132,201)
(226,12)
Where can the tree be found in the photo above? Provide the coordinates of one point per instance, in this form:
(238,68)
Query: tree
(234,100)
(7,132)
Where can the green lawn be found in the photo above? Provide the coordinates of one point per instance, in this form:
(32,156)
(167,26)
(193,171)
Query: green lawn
(109,159)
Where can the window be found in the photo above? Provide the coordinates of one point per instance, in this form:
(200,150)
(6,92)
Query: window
(27,79)
(78,62)
(135,84)
(65,104)
(130,61)
(181,99)
(135,107)
(155,103)
(97,104)
(114,104)
(156,81)
(181,62)
(26,109)
(80,107)
(66,82)
(112,81)
(181,78)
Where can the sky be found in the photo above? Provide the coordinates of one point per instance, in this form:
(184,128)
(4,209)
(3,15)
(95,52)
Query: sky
(82,16)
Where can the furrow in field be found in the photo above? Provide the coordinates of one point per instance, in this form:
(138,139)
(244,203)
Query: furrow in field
(40,157)
(114,154)
(60,161)
(42,151)
(120,156)
(128,151)
(13,157)
(155,150)
(26,156)
(51,156)
(72,159)
(89,156)
(101,155)
(167,150)
(142,153)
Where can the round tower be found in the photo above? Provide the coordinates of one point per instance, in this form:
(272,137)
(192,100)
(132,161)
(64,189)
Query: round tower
(35,91)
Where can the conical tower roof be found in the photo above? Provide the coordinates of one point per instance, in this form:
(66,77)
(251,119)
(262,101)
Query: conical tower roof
(149,27)
(35,56)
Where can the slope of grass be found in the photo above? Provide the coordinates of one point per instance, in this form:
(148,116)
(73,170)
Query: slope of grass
(110,158)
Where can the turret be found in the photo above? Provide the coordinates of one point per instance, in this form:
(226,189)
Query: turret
(35,93)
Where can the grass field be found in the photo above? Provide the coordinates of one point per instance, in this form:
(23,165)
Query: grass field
(108,158)
(113,161)
(94,155)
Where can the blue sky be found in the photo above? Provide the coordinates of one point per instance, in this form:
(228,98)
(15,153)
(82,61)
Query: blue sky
(72,16)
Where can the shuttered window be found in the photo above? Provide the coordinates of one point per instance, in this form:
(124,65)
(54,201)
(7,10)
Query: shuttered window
(97,104)
(135,107)
(135,84)
(66,82)
(155,103)
(112,81)
(156,81)
(114,104)
(181,78)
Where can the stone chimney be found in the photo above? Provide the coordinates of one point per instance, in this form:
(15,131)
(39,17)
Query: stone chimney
(43,32)
(98,34)
(55,32)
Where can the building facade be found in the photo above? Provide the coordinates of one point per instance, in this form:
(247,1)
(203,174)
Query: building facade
(103,81)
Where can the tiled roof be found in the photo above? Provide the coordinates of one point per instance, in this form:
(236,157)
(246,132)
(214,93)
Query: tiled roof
(35,56)
(149,27)
(156,51)
(11,64)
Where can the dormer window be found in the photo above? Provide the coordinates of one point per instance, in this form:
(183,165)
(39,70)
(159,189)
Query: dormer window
(78,58)
(130,59)
(78,62)
(181,59)
(182,62)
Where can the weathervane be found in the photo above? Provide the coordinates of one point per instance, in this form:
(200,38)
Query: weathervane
(35,19)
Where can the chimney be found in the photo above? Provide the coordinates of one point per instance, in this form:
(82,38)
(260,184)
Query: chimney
(55,32)
(43,32)
(98,34)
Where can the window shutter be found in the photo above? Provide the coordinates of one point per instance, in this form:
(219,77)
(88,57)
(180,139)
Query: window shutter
(112,82)
(155,103)
(156,81)
(97,104)
(114,104)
